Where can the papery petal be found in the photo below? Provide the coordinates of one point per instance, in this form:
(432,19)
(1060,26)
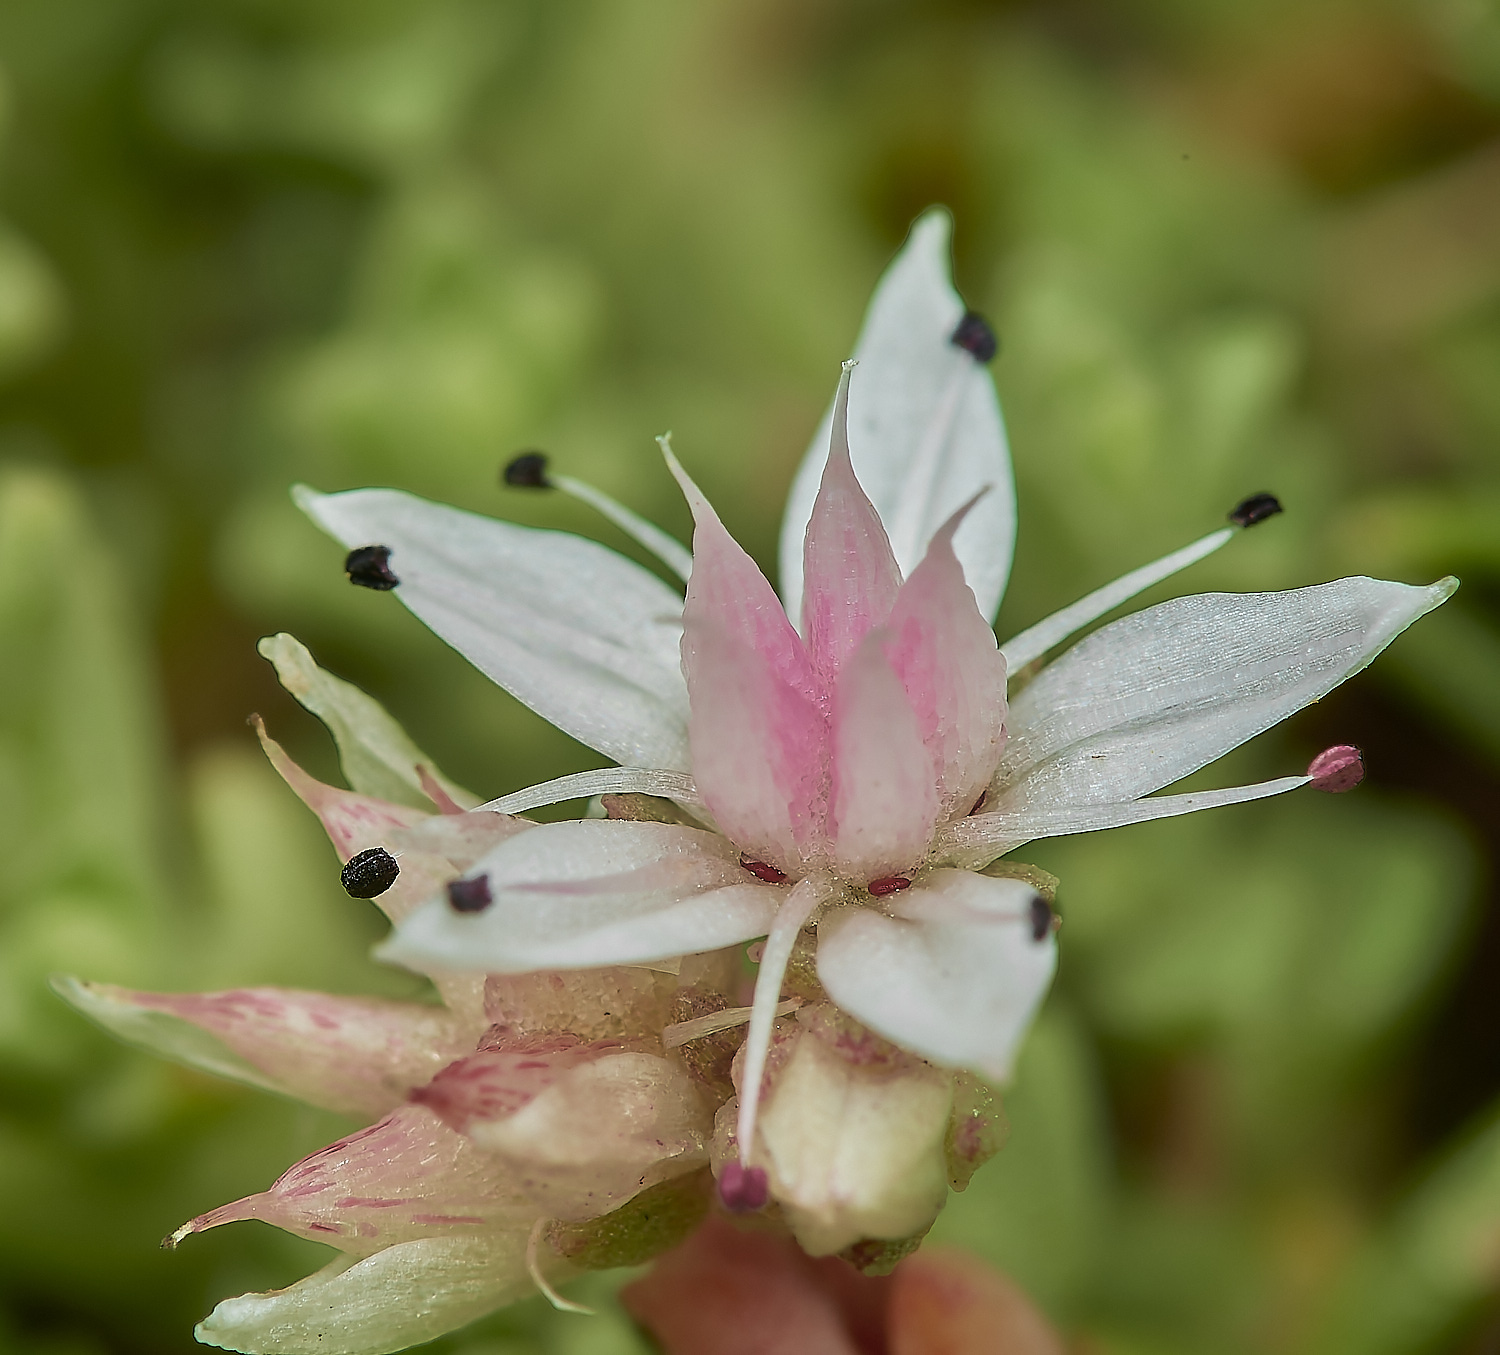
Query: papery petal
(925,430)
(854,1152)
(945,654)
(405,1177)
(947,1303)
(593,892)
(375,753)
(397,1298)
(585,637)
(884,797)
(1148,699)
(497,1082)
(351,820)
(850,576)
(160,1033)
(600,1134)
(352,1054)
(955,976)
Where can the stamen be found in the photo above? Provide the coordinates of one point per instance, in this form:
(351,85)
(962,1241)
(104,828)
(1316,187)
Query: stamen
(763,870)
(370,567)
(975,336)
(602,781)
(529,471)
(684,1032)
(369,873)
(1337,769)
(789,921)
(534,1269)
(743,1189)
(470,896)
(888,884)
(1053,630)
(1257,508)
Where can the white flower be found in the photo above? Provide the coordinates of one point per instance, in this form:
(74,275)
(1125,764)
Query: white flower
(855,773)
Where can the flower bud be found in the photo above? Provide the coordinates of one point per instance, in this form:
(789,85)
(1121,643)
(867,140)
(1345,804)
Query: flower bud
(852,1134)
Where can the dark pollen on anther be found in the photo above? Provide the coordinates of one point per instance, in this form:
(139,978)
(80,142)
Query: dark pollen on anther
(369,873)
(1257,508)
(1042,918)
(370,567)
(763,870)
(527,471)
(470,896)
(888,884)
(975,337)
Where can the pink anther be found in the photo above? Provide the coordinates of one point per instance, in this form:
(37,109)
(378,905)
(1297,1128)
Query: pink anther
(1337,769)
(743,1189)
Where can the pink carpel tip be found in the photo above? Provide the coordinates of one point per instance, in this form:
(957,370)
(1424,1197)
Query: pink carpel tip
(742,1189)
(1337,769)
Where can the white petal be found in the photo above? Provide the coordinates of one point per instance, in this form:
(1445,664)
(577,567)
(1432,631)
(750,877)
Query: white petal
(586,638)
(1150,698)
(593,892)
(377,756)
(925,432)
(955,976)
(1052,630)
(397,1298)
(981,837)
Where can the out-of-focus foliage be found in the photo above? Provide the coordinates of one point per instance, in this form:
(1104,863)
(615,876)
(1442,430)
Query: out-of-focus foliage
(1230,246)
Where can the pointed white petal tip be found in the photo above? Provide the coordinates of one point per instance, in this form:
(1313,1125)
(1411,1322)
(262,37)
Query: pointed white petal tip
(742,1189)
(1337,769)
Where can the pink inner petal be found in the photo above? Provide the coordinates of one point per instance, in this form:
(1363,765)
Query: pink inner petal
(850,578)
(759,749)
(885,801)
(945,654)
(756,725)
(728,592)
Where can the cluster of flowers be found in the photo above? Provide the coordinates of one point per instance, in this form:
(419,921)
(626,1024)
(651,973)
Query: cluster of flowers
(835,774)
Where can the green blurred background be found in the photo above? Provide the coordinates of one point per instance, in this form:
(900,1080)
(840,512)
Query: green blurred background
(1230,245)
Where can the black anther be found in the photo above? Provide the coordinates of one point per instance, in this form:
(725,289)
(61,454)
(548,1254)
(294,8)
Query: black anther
(369,873)
(527,471)
(370,567)
(975,336)
(1257,508)
(470,896)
